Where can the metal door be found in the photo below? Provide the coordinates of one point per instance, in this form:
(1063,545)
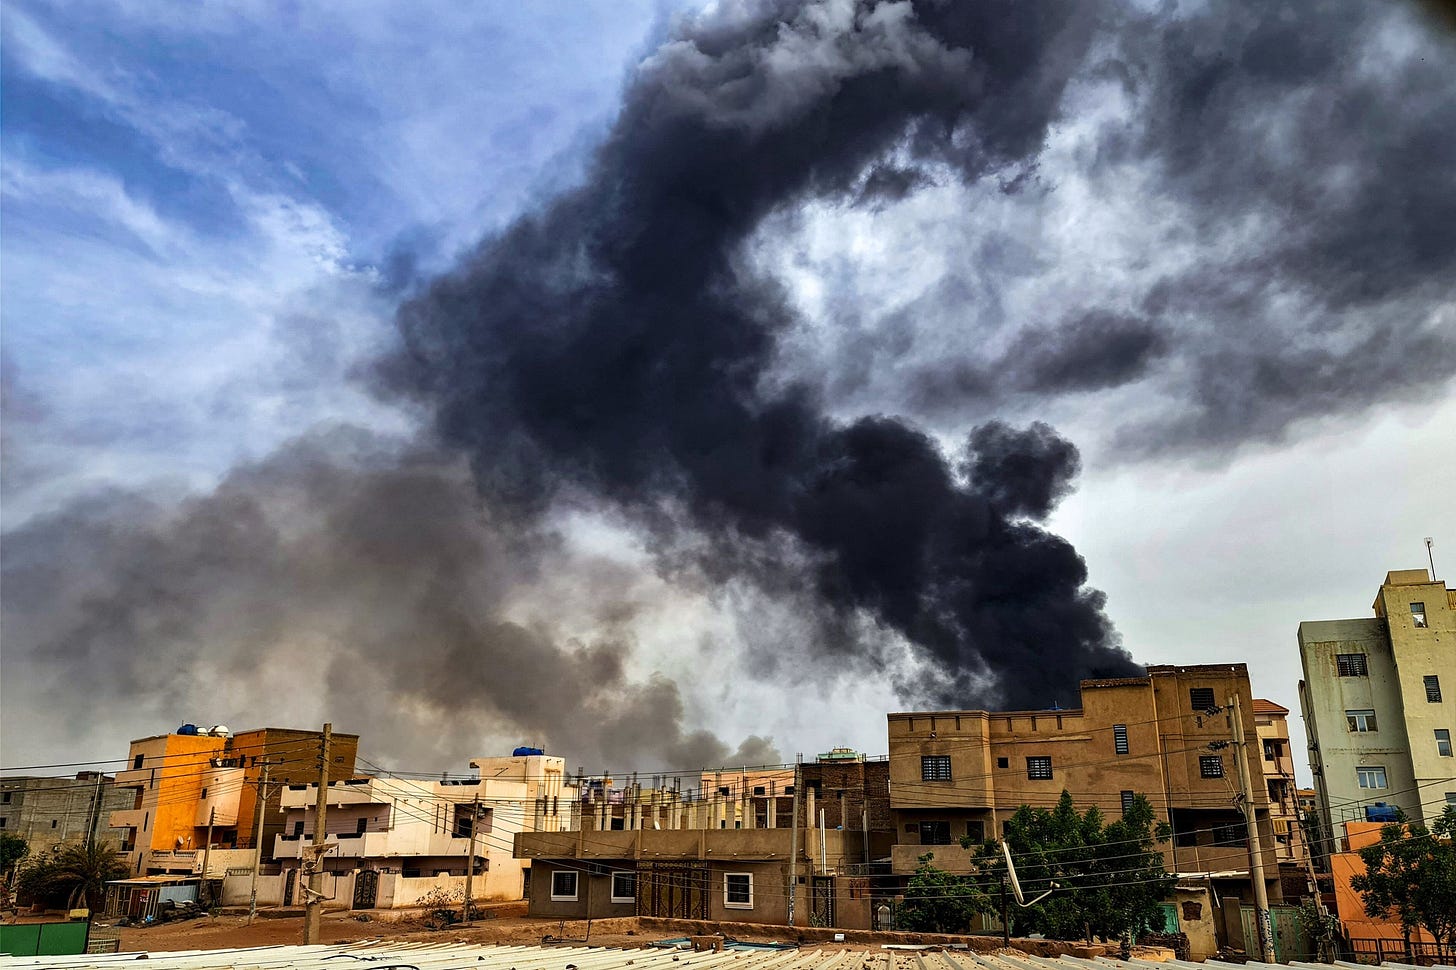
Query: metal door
(366,888)
(822,913)
(675,890)
(289,875)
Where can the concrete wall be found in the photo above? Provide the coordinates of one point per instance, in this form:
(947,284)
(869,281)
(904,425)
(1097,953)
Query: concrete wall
(1336,752)
(46,812)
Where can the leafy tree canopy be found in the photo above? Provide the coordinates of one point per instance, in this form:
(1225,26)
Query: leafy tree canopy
(1410,875)
(938,902)
(12,849)
(1110,875)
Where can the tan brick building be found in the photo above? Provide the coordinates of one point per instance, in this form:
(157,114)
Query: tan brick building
(962,773)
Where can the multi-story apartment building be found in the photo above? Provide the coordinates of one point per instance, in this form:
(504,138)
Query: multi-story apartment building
(416,830)
(956,774)
(183,782)
(727,850)
(51,813)
(1379,702)
(1290,845)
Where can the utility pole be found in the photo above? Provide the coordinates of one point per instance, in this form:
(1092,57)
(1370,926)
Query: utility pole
(794,842)
(207,849)
(258,843)
(313,907)
(1005,915)
(470,863)
(95,809)
(1256,853)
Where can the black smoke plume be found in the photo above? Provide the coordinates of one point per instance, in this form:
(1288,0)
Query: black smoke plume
(615,345)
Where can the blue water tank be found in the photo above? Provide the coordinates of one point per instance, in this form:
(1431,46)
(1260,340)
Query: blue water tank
(1381,812)
(187,729)
(524,752)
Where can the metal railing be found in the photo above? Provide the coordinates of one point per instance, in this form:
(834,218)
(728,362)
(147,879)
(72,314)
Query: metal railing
(1377,951)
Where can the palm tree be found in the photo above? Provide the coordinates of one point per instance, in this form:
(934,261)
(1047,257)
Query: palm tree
(87,868)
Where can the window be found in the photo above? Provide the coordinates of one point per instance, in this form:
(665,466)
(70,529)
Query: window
(1268,750)
(1039,769)
(1418,614)
(1234,834)
(2,823)
(935,833)
(1119,738)
(5,797)
(1127,799)
(1201,698)
(297,828)
(1186,838)
(1003,762)
(137,761)
(1360,722)
(203,796)
(935,767)
(362,827)
(53,823)
(563,885)
(723,790)
(1351,665)
(975,831)
(1433,689)
(760,790)
(738,890)
(1371,777)
(1451,798)
(1443,742)
(1210,765)
(624,887)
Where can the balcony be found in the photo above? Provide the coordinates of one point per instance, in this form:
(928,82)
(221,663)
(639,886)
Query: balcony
(355,791)
(905,858)
(379,845)
(841,848)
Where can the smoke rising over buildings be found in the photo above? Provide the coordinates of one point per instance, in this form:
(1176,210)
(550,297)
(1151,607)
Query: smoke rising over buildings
(641,346)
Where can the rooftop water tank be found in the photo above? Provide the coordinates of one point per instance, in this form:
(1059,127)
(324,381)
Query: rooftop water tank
(220,731)
(524,752)
(1381,812)
(187,729)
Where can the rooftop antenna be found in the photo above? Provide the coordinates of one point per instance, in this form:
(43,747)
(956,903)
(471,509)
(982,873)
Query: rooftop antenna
(1430,558)
(1021,900)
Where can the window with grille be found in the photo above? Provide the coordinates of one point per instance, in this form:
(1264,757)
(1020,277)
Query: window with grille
(738,890)
(1433,688)
(1443,742)
(1351,665)
(935,833)
(1201,698)
(1360,722)
(1233,834)
(1210,765)
(1119,738)
(1418,614)
(975,831)
(1371,777)
(624,887)
(563,885)
(1127,798)
(1039,769)
(935,767)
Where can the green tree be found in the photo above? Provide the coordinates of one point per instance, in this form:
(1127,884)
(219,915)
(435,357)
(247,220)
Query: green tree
(77,873)
(1410,875)
(12,849)
(1109,875)
(938,902)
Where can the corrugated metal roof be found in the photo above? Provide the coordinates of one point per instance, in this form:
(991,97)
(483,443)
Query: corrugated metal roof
(383,955)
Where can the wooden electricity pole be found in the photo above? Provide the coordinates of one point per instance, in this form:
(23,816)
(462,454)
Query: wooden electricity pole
(1256,852)
(207,854)
(794,843)
(470,863)
(258,844)
(314,906)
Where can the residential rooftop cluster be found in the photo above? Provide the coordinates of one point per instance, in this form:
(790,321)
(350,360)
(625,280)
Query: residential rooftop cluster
(230,815)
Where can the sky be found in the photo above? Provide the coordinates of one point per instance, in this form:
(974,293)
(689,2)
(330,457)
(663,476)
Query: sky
(295,299)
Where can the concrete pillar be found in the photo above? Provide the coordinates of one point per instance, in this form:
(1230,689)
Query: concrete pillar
(773,811)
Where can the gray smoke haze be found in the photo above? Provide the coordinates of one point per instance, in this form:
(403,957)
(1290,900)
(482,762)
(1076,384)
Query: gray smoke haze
(346,561)
(1269,235)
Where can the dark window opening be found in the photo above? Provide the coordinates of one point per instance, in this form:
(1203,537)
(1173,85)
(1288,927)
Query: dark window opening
(1234,834)
(1210,765)
(1119,738)
(137,761)
(1039,768)
(935,767)
(1433,688)
(1352,665)
(935,833)
(1003,762)
(1127,799)
(975,831)
(1418,615)
(1201,698)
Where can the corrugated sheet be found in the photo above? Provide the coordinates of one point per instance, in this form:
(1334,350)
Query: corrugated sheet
(383,955)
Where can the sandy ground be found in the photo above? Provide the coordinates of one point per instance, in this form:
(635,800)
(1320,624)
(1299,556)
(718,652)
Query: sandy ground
(217,932)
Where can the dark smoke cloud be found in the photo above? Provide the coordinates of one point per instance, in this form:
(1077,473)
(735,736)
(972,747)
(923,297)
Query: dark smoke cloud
(341,563)
(614,344)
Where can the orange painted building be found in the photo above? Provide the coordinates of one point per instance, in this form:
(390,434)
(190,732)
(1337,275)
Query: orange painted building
(1349,906)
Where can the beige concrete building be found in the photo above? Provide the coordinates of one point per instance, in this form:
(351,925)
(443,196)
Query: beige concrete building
(956,774)
(1379,702)
(418,833)
(52,813)
(1272,722)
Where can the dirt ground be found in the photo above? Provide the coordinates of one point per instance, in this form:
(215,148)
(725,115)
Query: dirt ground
(217,932)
